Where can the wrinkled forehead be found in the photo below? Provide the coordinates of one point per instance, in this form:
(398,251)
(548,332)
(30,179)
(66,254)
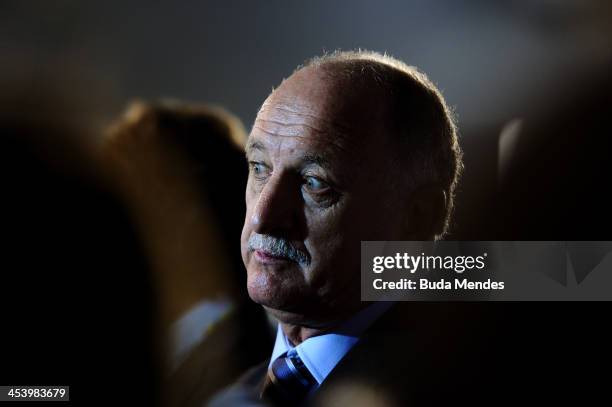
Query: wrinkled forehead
(322,109)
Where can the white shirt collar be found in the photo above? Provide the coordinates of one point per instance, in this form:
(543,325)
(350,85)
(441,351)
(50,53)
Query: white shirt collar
(322,353)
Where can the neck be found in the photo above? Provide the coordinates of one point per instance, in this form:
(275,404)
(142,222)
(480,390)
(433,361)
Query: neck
(298,334)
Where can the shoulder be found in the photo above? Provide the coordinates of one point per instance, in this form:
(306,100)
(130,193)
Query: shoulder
(414,349)
(245,391)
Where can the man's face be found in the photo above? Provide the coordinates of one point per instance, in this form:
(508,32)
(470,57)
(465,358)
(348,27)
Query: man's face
(318,185)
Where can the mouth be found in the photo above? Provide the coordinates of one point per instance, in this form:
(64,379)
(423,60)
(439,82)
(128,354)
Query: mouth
(265,257)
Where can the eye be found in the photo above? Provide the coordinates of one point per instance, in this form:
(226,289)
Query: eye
(319,192)
(314,184)
(259,170)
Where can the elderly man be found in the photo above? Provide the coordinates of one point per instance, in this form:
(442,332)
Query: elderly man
(358,146)
(353,146)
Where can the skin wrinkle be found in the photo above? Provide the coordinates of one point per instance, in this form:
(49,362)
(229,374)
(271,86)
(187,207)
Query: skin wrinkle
(283,122)
(300,106)
(336,145)
(319,159)
(291,125)
(280,125)
(325,160)
(312,116)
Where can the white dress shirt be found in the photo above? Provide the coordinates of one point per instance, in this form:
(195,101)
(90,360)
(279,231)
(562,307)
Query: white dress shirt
(322,353)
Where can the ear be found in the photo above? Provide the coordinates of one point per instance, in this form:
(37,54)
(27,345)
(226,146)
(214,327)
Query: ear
(425,213)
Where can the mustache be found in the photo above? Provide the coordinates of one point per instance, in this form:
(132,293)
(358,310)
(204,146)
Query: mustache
(278,247)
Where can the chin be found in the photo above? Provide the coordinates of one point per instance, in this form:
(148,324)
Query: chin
(264,288)
(275,292)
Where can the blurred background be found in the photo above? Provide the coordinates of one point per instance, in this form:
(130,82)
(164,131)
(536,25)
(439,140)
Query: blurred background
(494,61)
(487,57)
(529,81)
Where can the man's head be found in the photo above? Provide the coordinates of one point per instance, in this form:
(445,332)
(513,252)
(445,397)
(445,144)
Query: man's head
(352,146)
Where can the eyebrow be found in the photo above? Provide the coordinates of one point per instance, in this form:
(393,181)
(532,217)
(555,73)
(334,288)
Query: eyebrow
(307,159)
(255,146)
(317,159)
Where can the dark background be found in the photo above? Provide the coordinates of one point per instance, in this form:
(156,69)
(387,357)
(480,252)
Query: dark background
(540,64)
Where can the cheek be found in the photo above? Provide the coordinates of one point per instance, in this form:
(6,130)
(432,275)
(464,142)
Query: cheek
(329,243)
(336,271)
(334,241)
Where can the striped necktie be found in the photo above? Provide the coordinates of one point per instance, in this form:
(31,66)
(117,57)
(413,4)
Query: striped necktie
(288,381)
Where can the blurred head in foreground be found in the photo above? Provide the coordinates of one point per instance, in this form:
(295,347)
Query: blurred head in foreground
(75,281)
(551,188)
(353,146)
(182,168)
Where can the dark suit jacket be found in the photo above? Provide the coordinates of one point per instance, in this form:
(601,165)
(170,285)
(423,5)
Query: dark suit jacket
(464,353)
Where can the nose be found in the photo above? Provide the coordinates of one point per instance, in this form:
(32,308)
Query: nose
(278,206)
